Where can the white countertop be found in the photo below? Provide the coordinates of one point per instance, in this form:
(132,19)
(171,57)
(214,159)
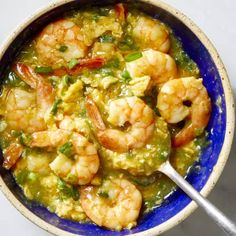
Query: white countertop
(217,19)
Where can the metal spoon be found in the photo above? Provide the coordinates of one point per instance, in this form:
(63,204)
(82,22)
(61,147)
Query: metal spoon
(220,219)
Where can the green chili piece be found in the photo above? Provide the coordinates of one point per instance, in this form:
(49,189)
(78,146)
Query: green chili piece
(25,139)
(133,56)
(67,80)
(66,149)
(22,176)
(107,38)
(103,194)
(113,63)
(126,76)
(55,106)
(72,63)
(63,48)
(67,190)
(43,69)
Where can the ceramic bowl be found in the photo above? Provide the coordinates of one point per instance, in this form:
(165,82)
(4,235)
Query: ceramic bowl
(221,126)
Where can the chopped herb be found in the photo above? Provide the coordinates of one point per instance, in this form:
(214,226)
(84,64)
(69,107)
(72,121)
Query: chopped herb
(14,80)
(126,76)
(95,17)
(67,80)
(198,131)
(43,69)
(54,80)
(202,141)
(4,143)
(55,106)
(103,194)
(22,176)
(106,72)
(63,48)
(103,11)
(27,151)
(127,43)
(133,56)
(113,63)
(129,155)
(67,190)
(156,110)
(163,156)
(107,38)
(25,138)
(100,12)
(16,133)
(128,40)
(66,149)
(148,100)
(32,176)
(72,63)
(83,112)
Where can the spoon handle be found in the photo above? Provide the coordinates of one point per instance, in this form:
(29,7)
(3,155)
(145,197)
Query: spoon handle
(220,219)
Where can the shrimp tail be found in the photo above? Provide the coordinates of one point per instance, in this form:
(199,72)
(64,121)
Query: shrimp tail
(90,63)
(26,74)
(94,114)
(183,136)
(11,155)
(109,140)
(121,11)
(44,89)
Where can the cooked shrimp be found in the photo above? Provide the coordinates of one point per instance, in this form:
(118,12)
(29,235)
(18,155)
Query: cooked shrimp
(25,110)
(152,34)
(130,110)
(171,104)
(85,163)
(21,112)
(159,66)
(44,90)
(59,42)
(11,155)
(115,205)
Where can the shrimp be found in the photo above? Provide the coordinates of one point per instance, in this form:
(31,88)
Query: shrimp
(44,90)
(11,155)
(152,34)
(115,205)
(59,42)
(185,98)
(20,112)
(25,110)
(130,110)
(159,66)
(85,163)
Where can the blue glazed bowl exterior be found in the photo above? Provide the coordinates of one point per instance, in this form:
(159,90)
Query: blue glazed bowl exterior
(222,105)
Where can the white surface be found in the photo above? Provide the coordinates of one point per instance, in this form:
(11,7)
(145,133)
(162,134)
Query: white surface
(217,19)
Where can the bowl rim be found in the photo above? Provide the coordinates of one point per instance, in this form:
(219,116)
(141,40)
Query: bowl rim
(229,133)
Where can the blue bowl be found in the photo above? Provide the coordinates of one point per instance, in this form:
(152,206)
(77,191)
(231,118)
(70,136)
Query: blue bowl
(221,126)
